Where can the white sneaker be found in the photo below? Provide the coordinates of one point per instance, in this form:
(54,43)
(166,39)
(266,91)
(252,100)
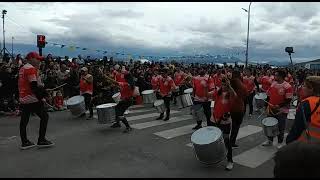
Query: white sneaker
(267,143)
(229,166)
(126,112)
(280,145)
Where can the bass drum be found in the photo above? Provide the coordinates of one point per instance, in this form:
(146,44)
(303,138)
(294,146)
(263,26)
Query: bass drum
(208,145)
(76,105)
(106,113)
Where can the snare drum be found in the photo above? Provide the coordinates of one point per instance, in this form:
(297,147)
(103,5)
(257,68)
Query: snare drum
(208,145)
(106,113)
(292,114)
(116,97)
(159,105)
(188,91)
(270,126)
(260,100)
(148,96)
(76,105)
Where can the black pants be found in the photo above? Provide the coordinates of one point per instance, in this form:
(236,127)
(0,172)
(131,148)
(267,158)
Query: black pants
(37,108)
(249,100)
(237,118)
(226,128)
(120,108)
(166,100)
(207,111)
(88,103)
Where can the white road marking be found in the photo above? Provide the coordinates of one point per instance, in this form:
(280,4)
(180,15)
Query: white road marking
(161,122)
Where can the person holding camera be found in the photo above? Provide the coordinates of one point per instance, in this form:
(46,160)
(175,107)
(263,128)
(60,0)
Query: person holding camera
(221,117)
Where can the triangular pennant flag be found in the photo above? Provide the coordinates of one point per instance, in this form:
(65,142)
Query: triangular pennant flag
(62,46)
(77,47)
(105,52)
(71,48)
(84,48)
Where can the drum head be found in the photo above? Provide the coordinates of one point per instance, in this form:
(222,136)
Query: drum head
(147,92)
(158,102)
(270,121)
(75,100)
(106,105)
(116,94)
(188,91)
(261,96)
(206,135)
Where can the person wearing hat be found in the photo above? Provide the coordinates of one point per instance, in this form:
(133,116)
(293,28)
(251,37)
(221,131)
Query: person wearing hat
(86,89)
(31,97)
(306,127)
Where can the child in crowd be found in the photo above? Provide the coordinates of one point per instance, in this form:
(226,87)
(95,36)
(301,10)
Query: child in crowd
(58,102)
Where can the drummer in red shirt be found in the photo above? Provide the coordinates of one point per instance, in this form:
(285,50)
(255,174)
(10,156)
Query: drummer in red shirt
(86,90)
(166,86)
(248,81)
(266,81)
(221,117)
(31,97)
(126,93)
(201,97)
(280,94)
(178,81)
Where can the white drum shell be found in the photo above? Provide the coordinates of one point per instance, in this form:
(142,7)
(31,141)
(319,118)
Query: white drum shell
(270,127)
(209,148)
(198,113)
(76,105)
(117,97)
(260,103)
(106,113)
(148,96)
(186,100)
(159,105)
(188,91)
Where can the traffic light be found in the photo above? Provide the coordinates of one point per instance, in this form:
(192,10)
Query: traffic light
(41,41)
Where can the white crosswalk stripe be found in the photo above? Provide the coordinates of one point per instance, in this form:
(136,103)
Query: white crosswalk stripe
(150,115)
(256,156)
(159,122)
(244,132)
(172,133)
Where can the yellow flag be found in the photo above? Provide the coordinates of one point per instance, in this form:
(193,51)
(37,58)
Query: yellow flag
(72,48)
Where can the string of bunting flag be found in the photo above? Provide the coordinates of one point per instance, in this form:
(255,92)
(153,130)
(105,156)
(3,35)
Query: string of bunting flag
(133,56)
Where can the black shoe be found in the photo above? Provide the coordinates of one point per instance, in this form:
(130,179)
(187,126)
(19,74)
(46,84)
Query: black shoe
(44,143)
(128,129)
(115,125)
(166,119)
(234,146)
(82,115)
(197,127)
(89,118)
(27,145)
(159,118)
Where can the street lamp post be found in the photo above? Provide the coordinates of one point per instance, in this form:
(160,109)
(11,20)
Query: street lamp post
(248,11)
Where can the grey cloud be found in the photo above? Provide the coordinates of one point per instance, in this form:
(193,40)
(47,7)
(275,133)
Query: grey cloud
(124,13)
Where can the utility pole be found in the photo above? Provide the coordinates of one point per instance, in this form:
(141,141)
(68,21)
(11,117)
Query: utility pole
(247,53)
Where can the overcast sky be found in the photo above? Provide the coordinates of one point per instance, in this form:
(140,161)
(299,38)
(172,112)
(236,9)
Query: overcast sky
(183,28)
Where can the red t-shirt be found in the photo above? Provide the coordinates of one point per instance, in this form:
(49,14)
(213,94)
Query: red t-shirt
(119,77)
(199,86)
(154,82)
(166,86)
(58,101)
(249,83)
(266,82)
(178,77)
(217,80)
(27,74)
(86,87)
(211,84)
(125,90)
(221,106)
(279,92)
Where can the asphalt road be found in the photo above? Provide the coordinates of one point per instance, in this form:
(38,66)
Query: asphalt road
(85,148)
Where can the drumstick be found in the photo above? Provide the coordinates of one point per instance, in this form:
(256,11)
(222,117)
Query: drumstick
(57,87)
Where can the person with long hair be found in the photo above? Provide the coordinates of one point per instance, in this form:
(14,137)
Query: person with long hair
(237,106)
(221,117)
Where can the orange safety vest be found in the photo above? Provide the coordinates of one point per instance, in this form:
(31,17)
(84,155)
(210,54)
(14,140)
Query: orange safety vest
(312,134)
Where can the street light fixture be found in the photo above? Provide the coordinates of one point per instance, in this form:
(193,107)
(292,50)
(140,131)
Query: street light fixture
(248,11)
